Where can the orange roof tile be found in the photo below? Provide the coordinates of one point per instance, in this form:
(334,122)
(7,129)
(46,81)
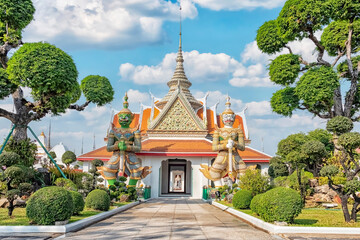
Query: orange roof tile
(172,147)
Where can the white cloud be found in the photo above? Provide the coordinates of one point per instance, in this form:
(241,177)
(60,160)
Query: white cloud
(296,120)
(259,108)
(136,97)
(96,115)
(199,67)
(103,23)
(239,4)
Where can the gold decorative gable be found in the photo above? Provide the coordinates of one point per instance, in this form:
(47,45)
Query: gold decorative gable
(177,119)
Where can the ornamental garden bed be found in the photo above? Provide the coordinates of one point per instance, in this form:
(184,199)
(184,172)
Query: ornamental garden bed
(19,216)
(311,217)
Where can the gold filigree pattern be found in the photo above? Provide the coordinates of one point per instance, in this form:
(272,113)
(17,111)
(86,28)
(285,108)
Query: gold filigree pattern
(177,119)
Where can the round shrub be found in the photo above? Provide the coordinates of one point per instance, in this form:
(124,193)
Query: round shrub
(242,199)
(255,203)
(78,202)
(50,204)
(339,125)
(98,200)
(279,204)
(66,183)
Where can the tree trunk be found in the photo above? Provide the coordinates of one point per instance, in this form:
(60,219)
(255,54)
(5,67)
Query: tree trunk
(353,211)
(344,202)
(20,132)
(11,207)
(301,187)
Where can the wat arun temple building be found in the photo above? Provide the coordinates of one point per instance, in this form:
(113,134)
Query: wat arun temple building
(176,138)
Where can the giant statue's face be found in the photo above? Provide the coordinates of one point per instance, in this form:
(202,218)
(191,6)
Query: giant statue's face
(228,119)
(125,119)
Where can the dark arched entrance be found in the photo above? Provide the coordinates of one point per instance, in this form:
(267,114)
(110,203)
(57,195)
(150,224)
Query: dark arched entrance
(176,177)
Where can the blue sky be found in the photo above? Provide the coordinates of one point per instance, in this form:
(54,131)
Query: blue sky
(134,43)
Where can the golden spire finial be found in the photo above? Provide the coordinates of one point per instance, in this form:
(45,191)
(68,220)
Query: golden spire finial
(228,104)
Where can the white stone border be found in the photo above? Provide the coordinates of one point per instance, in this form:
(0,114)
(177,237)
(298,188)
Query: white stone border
(71,227)
(271,228)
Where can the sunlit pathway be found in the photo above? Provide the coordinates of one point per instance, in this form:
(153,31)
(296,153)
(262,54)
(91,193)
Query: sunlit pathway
(171,219)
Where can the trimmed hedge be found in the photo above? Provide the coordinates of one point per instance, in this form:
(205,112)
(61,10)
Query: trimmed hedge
(279,204)
(98,200)
(78,201)
(66,183)
(50,204)
(242,199)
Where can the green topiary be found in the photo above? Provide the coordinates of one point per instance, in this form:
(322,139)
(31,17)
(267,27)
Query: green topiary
(339,125)
(98,200)
(78,202)
(255,204)
(50,204)
(284,69)
(242,199)
(279,204)
(66,183)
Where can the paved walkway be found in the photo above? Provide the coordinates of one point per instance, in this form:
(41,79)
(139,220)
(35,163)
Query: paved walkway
(171,219)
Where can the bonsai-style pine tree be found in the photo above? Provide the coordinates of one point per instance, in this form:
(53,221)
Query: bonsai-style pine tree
(68,158)
(318,86)
(346,144)
(16,176)
(48,71)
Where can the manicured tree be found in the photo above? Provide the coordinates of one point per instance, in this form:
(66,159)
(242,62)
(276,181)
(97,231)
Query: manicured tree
(16,177)
(277,168)
(49,72)
(254,181)
(68,158)
(318,86)
(346,144)
(300,151)
(95,174)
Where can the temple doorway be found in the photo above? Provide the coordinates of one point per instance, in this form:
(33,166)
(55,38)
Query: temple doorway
(176,177)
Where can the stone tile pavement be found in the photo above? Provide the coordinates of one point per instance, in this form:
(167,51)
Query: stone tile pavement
(171,219)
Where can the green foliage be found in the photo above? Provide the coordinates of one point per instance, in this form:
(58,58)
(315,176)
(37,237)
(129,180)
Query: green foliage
(242,199)
(98,200)
(316,88)
(345,9)
(97,163)
(53,155)
(284,69)
(26,149)
(16,14)
(53,75)
(277,167)
(314,151)
(68,157)
(336,34)
(292,180)
(339,125)
(329,171)
(97,89)
(336,180)
(78,201)
(352,186)
(50,204)
(278,204)
(255,204)
(298,16)
(8,159)
(322,136)
(268,39)
(343,68)
(66,183)
(284,101)
(281,181)
(350,141)
(292,143)
(6,87)
(253,181)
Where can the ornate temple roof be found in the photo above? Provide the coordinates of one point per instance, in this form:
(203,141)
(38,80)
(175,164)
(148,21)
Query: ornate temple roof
(179,80)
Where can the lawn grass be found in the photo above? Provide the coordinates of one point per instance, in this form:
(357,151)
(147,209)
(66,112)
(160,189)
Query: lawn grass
(19,215)
(312,217)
